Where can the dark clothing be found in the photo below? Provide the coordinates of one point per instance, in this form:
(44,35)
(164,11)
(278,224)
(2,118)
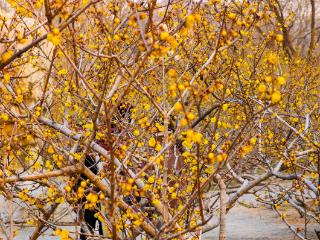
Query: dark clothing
(88,214)
(91,221)
(128,199)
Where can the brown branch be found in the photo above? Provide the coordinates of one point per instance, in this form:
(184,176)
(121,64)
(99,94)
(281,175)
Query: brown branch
(41,225)
(66,170)
(40,39)
(146,226)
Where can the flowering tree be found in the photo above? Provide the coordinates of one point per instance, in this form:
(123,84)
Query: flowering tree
(186,105)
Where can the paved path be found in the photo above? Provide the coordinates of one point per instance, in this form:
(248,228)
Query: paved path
(242,224)
(260,224)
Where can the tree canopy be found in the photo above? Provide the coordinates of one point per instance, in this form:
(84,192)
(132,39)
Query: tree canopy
(186,104)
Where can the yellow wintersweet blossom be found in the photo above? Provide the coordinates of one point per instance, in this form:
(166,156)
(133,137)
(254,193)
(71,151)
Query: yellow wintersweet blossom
(268,79)
(62,72)
(178,106)
(191,116)
(172,41)
(67,188)
(155,202)
(279,38)
(4,117)
(57,231)
(232,16)
(193,136)
(6,78)
(281,80)
(151,179)
(158,147)
(272,58)
(92,198)
(172,73)
(54,36)
(20,38)
(262,88)
(88,126)
(225,106)
(275,97)
(64,235)
(221,157)
(152,142)
(136,132)
(190,21)
(159,127)
(50,149)
(7,55)
(83,184)
(102,196)
(164,36)
(183,122)
(253,140)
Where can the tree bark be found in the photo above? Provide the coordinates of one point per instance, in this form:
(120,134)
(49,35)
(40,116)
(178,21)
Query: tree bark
(223,210)
(313,24)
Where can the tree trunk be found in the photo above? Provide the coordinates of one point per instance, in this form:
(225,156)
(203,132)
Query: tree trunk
(313,24)
(223,210)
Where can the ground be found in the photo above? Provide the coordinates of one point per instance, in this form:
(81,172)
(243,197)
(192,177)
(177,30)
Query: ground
(258,223)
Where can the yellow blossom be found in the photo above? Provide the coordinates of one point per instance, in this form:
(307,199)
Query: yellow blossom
(54,36)
(158,147)
(211,156)
(275,97)
(93,198)
(262,88)
(50,149)
(281,80)
(136,132)
(83,184)
(232,16)
(268,79)
(155,202)
(225,106)
(4,117)
(190,21)
(191,116)
(6,56)
(62,71)
(6,78)
(102,196)
(152,142)
(183,122)
(58,231)
(279,38)
(172,73)
(164,36)
(253,140)
(272,58)
(178,106)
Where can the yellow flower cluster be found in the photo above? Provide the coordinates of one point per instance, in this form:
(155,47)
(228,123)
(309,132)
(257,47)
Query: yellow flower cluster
(54,36)
(6,56)
(190,137)
(63,233)
(273,94)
